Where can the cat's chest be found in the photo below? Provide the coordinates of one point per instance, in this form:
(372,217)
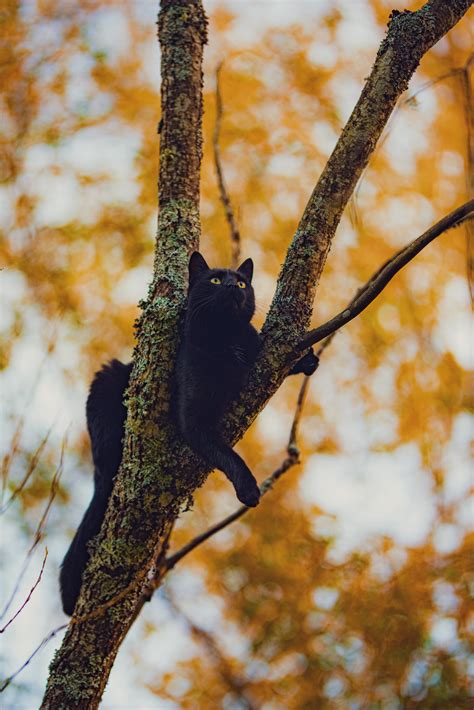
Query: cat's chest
(228,363)
(217,370)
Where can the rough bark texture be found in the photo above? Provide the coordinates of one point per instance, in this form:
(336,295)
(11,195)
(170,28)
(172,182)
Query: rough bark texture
(158,474)
(410,35)
(148,494)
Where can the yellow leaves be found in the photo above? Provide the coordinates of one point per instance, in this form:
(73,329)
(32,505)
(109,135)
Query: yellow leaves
(451,380)
(24,208)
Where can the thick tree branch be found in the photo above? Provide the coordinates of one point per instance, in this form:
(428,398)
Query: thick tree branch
(148,495)
(410,35)
(385,274)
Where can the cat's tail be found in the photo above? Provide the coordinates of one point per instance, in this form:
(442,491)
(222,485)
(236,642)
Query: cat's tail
(77,557)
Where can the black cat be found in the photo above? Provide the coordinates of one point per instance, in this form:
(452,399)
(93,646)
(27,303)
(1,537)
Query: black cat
(218,348)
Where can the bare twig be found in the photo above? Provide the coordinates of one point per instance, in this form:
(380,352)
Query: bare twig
(14,446)
(11,453)
(4,628)
(292,458)
(223,192)
(75,620)
(38,533)
(9,602)
(40,646)
(384,275)
(29,472)
(52,495)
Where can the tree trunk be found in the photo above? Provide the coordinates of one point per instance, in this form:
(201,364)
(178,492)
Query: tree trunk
(159,474)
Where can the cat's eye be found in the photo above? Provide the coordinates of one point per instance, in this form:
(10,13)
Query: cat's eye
(215,280)
(241,284)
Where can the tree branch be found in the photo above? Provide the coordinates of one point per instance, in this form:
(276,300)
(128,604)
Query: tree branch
(29,471)
(147,494)
(410,35)
(8,681)
(4,628)
(223,192)
(385,274)
(39,529)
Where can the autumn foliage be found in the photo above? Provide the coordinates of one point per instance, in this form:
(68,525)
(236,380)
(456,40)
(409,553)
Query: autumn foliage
(348,586)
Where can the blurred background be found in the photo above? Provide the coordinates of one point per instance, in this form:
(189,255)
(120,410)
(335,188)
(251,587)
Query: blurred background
(348,587)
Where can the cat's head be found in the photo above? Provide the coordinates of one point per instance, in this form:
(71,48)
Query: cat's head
(221,292)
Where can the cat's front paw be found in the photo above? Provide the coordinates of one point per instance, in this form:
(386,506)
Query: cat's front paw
(307,365)
(248,492)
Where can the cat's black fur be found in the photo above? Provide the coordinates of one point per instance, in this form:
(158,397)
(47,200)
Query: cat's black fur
(218,348)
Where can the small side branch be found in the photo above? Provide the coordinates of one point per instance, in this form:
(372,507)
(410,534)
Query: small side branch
(39,530)
(30,594)
(385,274)
(223,192)
(29,471)
(8,681)
(291,459)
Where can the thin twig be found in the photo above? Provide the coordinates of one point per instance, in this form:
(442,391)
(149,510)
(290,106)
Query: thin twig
(384,275)
(223,192)
(432,82)
(14,446)
(40,646)
(11,453)
(29,472)
(29,595)
(38,533)
(52,495)
(292,458)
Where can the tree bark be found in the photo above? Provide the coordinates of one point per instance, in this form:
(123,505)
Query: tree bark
(159,474)
(148,494)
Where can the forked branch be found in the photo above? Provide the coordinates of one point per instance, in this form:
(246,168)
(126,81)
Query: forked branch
(385,274)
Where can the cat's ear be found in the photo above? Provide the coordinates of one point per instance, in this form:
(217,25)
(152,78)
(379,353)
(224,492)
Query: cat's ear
(246,269)
(197,266)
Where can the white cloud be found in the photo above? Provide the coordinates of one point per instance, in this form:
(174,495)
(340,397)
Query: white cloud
(455,324)
(371,494)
